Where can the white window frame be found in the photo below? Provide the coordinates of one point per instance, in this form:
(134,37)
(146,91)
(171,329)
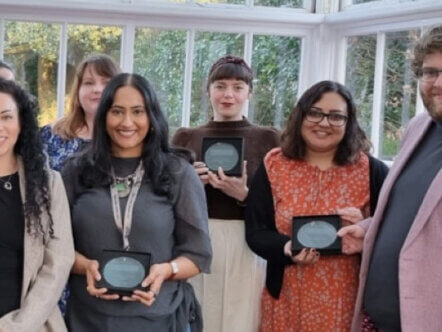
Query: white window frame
(323,51)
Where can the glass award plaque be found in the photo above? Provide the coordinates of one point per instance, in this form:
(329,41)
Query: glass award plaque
(224,152)
(123,271)
(319,232)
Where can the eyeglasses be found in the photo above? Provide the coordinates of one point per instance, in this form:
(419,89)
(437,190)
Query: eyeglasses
(429,74)
(334,119)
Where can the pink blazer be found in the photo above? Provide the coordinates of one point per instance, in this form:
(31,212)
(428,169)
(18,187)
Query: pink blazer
(420,260)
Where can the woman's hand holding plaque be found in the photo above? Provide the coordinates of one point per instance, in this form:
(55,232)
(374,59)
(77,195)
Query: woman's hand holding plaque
(350,215)
(232,186)
(306,256)
(92,276)
(201,170)
(157,275)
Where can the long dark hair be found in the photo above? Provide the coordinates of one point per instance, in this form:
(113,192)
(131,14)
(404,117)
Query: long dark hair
(354,141)
(157,156)
(30,148)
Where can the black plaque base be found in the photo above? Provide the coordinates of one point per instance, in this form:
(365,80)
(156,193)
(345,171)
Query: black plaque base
(224,152)
(123,271)
(317,232)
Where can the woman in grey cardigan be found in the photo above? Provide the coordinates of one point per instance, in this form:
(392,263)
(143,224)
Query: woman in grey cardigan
(36,247)
(129,191)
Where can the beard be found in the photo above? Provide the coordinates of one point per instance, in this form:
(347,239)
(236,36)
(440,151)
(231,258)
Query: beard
(434,108)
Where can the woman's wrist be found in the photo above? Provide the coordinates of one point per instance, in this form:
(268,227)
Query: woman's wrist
(167,271)
(241,197)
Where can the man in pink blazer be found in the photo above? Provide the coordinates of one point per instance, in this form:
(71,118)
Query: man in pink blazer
(401,270)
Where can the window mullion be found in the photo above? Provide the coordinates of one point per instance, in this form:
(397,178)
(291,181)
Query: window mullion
(420,108)
(62,63)
(127,48)
(187,94)
(378,94)
(2,37)
(248,49)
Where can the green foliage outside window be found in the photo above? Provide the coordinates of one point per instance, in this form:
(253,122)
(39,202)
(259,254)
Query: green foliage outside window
(275,65)
(359,76)
(160,57)
(33,50)
(399,104)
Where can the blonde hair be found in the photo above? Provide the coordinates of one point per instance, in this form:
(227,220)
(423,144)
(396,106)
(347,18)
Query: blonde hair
(68,126)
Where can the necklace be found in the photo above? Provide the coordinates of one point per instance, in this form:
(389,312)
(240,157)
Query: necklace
(124,185)
(7,183)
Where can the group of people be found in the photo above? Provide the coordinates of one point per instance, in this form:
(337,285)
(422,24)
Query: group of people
(220,245)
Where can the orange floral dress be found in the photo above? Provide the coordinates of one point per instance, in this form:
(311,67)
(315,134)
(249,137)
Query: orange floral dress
(318,297)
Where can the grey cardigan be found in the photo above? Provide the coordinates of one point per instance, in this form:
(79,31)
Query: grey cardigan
(46,267)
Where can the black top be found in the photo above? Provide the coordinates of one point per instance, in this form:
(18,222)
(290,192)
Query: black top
(258,141)
(12,228)
(261,233)
(381,297)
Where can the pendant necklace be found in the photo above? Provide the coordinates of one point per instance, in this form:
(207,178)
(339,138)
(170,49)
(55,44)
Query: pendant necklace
(124,185)
(7,183)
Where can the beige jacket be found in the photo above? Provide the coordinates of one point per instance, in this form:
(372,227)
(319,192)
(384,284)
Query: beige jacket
(46,267)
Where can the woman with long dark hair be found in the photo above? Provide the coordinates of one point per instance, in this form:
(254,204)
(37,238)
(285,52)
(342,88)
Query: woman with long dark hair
(323,167)
(129,189)
(36,247)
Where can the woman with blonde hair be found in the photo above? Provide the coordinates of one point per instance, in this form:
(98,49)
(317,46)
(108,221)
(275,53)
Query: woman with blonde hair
(68,134)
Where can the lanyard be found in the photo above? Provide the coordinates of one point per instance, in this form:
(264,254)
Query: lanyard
(125,227)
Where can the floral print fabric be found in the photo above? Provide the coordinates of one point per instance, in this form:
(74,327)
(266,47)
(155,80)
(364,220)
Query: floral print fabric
(58,151)
(318,297)
(57,148)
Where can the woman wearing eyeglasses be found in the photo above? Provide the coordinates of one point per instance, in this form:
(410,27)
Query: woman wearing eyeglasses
(321,168)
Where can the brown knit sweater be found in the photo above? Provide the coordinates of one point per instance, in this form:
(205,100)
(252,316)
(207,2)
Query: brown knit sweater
(257,142)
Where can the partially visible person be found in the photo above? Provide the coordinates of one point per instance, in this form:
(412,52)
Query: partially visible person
(399,281)
(230,294)
(129,189)
(6,71)
(36,245)
(322,168)
(68,135)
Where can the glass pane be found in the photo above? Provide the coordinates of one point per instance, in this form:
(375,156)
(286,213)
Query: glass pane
(209,46)
(84,40)
(280,3)
(235,2)
(275,64)
(359,76)
(33,49)
(399,85)
(355,2)
(160,57)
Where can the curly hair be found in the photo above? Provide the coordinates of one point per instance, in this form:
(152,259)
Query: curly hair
(157,156)
(230,66)
(68,125)
(30,148)
(431,42)
(354,141)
